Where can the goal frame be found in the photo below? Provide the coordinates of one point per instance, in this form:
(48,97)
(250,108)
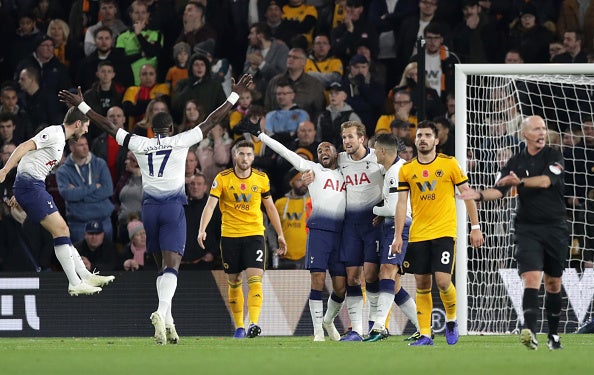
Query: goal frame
(462,71)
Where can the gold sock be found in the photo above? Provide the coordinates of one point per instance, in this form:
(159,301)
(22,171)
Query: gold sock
(255,298)
(236,302)
(448,297)
(424,310)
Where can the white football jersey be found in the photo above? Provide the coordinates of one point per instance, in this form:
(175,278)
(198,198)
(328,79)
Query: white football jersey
(162,161)
(327,191)
(50,144)
(364,181)
(390,192)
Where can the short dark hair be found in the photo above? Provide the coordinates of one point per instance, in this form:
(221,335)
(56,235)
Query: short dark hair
(388,141)
(7,116)
(162,120)
(102,28)
(103,63)
(427,125)
(73,115)
(262,28)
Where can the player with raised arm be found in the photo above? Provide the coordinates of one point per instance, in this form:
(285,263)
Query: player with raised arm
(240,191)
(430,179)
(162,162)
(35,159)
(541,232)
(386,149)
(328,196)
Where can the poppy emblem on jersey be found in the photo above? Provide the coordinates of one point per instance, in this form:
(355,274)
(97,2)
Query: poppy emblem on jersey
(425,173)
(242,186)
(439,173)
(254,188)
(556,168)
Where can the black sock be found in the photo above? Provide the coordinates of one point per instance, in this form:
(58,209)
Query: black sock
(530,307)
(553,308)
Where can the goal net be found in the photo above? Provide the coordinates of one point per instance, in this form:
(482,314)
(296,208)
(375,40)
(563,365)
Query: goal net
(491,102)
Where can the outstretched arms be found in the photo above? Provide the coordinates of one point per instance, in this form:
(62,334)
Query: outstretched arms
(78,101)
(219,114)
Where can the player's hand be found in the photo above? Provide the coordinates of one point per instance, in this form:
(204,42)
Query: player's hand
(510,180)
(3,173)
(12,203)
(308,177)
(476,238)
(396,247)
(377,220)
(469,195)
(282,246)
(201,238)
(247,126)
(131,265)
(72,100)
(243,85)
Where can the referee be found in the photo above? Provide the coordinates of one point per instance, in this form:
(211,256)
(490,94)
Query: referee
(542,236)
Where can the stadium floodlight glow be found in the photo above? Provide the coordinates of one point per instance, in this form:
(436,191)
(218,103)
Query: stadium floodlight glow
(491,101)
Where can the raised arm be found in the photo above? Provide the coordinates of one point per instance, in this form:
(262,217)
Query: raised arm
(216,116)
(78,101)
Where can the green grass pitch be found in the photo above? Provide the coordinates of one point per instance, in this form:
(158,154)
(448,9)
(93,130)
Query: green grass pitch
(500,355)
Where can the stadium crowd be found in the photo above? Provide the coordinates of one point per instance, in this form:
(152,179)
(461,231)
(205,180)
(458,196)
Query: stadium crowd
(316,64)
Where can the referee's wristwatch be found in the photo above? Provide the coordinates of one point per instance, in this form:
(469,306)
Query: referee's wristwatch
(521,184)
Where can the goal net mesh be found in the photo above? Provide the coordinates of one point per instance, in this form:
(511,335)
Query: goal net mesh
(496,105)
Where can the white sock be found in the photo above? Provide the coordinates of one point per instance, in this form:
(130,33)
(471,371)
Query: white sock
(355,308)
(165,290)
(373,305)
(384,304)
(79,265)
(316,309)
(409,308)
(65,258)
(332,310)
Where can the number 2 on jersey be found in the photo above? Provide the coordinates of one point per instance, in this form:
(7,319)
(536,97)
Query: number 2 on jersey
(162,167)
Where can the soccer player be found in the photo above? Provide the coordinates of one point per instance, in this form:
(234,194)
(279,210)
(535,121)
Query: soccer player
(35,159)
(364,179)
(541,232)
(240,191)
(430,180)
(386,148)
(162,162)
(328,196)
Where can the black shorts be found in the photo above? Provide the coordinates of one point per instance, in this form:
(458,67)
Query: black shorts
(428,257)
(542,248)
(239,253)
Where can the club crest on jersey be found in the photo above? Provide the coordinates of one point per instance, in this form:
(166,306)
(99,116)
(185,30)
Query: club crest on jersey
(254,188)
(439,173)
(556,168)
(425,173)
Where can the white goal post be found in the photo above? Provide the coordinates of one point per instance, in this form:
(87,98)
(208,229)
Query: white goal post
(491,101)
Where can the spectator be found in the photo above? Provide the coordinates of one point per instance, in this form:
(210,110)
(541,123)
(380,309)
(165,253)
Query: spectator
(365,96)
(83,14)
(445,135)
(144,127)
(128,197)
(577,15)
(529,37)
(572,42)
(105,92)
(377,70)
(199,86)
(106,147)
(96,249)
(214,152)
(401,109)
(7,130)
(309,92)
(195,27)
(45,11)
(241,109)
(265,58)
(321,64)
(220,68)
(108,15)
(513,56)
(104,51)
(556,48)
(42,108)
(354,27)
(192,166)
(193,115)
(179,71)
(24,41)
(136,98)
(301,18)
(141,44)
(85,184)
(280,28)
(337,112)
(58,30)
(401,129)
(9,104)
(475,38)
(195,257)
(409,83)
(135,252)
(283,122)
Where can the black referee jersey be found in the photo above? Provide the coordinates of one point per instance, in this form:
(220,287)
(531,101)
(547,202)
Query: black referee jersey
(537,205)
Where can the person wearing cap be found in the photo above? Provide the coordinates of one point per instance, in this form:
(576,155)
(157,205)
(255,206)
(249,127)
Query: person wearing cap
(135,254)
(400,129)
(141,44)
(476,38)
(96,248)
(85,184)
(364,95)
(53,74)
(321,64)
(354,27)
(195,27)
(529,36)
(220,68)
(109,17)
(337,112)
